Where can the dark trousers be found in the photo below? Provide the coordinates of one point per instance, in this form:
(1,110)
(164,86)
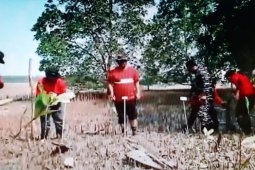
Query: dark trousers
(57,119)
(206,114)
(242,113)
(130,110)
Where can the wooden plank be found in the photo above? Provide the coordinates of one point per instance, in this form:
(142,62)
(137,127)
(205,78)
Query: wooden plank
(141,157)
(5,101)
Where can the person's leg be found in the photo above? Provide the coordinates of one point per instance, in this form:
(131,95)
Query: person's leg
(214,116)
(45,126)
(242,116)
(120,111)
(132,115)
(193,115)
(205,117)
(251,102)
(58,121)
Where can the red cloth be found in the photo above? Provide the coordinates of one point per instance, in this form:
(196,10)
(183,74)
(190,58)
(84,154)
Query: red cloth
(57,86)
(243,84)
(123,82)
(217,98)
(1,83)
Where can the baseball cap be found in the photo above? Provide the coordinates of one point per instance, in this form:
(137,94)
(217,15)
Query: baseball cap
(52,72)
(191,63)
(121,58)
(2,57)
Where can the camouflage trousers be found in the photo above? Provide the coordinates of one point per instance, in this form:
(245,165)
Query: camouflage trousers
(208,117)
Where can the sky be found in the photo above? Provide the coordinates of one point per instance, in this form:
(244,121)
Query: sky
(17,17)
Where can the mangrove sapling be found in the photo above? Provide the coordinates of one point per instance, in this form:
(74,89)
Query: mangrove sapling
(43,102)
(21,120)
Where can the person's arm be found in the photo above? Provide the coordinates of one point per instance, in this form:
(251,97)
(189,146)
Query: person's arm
(39,87)
(137,84)
(218,100)
(138,90)
(110,86)
(63,86)
(111,93)
(237,93)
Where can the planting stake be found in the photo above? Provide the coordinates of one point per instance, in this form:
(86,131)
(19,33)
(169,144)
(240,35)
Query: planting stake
(183,99)
(125,122)
(64,118)
(32,92)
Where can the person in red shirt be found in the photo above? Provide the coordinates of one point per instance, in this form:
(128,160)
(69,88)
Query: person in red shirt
(2,62)
(52,82)
(245,96)
(124,81)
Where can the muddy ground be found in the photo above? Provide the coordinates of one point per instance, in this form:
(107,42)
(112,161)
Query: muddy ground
(95,141)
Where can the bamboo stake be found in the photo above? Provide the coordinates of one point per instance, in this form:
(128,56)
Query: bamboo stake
(31,99)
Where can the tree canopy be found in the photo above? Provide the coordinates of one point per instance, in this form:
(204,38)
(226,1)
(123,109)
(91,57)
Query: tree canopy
(83,36)
(213,32)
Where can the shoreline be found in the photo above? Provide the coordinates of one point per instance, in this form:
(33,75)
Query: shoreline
(12,90)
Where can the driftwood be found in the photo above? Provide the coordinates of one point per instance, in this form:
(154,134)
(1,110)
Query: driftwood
(5,101)
(142,156)
(60,148)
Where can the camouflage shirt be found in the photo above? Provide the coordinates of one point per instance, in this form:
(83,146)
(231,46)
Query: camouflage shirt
(202,85)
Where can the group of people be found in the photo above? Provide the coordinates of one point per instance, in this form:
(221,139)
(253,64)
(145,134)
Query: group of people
(204,96)
(124,91)
(123,81)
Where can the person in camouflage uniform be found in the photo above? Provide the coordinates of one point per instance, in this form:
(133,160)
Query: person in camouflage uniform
(202,97)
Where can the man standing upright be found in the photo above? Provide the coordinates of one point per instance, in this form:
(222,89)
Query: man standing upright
(245,96)
(124,81)
(2,62)
(202,97)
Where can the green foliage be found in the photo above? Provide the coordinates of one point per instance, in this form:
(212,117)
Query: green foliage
(85,82)
(174,38)
(43,101)
(83,37)
(214,32)
(232,27)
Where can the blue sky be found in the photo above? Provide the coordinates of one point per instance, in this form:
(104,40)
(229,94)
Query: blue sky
(16,38)
(17,17)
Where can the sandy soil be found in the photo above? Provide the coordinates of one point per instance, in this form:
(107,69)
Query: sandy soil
(15,89)
(95,142)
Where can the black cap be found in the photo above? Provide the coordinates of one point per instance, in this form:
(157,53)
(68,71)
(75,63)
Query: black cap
(229,73)
(52,72)
(121,58)
(2,57)
(191,63)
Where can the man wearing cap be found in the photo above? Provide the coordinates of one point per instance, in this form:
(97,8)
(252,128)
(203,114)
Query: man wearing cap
(52,82)
(2,62)
(124,81)
(202,97)
(245,96)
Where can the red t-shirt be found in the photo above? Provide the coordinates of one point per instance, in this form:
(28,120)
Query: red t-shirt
(57,86)
(243,84)
(1,82)
(124,82)
(217,98)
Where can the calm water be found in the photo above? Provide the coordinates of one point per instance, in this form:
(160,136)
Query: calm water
(18,79)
